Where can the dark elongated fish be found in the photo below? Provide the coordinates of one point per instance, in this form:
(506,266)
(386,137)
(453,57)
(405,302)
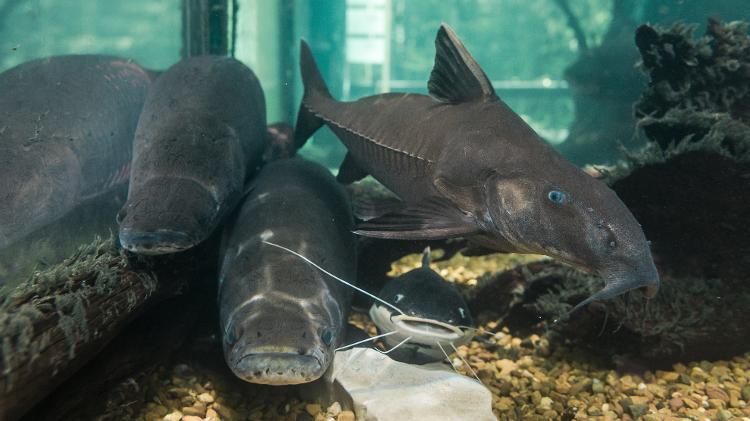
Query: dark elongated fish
(465,164)
(66,134)
(281,317)
(201,134)
(435,316)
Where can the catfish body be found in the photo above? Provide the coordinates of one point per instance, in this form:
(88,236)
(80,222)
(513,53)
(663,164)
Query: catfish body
(201,135)
(282,318)
(465,165)
(435,315)
(66,132)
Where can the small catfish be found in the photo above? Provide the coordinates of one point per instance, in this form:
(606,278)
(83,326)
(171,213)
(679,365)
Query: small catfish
(465,165)
(201,134)
(435,316)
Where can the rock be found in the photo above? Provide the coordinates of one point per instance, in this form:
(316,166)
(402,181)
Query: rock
(714,392)
(191,418)
(597,386)
(671,376)
(724,415)
(334,409)
(313,409)
(212,415)
(387,390)
(637,410)
(173,416)
(194,410)
(226,412)
(506,367)
(746,393)
(675,404)
(205,398)
(346,416)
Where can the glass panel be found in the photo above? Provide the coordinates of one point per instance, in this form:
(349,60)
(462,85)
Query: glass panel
(144,30)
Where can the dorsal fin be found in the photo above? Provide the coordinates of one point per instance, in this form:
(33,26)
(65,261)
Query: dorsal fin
(456,76)
(426,257)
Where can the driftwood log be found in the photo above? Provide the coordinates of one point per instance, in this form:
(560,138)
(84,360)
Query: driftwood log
(62,317)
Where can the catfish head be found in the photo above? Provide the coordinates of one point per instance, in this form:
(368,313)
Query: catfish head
(574,218)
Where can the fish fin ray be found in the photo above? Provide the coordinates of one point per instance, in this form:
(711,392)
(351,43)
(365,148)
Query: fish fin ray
(350,171)
(433,218)
(370,209)
(456,76)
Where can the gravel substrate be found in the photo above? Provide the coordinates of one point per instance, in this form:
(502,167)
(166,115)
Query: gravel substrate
(529,379)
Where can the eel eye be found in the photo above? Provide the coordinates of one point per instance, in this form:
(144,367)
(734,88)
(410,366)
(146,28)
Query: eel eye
(556,196)
(233,334)
(327,337)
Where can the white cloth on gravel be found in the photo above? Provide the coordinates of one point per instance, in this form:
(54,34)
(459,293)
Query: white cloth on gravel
(383,389)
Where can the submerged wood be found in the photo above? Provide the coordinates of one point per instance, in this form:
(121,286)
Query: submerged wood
(61,317)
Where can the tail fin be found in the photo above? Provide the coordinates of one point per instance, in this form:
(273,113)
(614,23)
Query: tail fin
(315,87)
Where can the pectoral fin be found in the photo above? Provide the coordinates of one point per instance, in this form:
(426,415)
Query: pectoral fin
(432,219)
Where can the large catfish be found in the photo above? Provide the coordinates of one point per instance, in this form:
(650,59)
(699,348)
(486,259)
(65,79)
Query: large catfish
(202,133)
(465,164)
(66,134)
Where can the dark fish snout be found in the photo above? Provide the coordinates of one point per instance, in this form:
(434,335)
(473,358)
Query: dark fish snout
(155,242)
(167,216)
(279,367)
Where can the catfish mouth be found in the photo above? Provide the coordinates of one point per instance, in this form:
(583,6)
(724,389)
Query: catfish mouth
(418,329)
(160,241)
(421,327)
(279,367)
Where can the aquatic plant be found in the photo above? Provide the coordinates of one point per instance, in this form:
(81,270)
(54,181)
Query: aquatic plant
(699,93)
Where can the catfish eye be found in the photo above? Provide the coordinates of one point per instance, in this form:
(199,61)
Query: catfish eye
(326,337)
(556,196)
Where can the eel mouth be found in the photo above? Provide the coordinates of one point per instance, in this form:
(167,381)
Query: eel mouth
(155,242)
(278,368)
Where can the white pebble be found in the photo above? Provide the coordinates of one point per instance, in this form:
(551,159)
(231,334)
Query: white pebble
(334,409)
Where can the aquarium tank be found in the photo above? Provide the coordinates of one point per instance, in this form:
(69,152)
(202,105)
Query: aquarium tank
(374,210)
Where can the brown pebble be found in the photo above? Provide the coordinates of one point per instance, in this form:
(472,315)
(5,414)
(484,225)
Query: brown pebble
(675,403)
(194,410)
(173,416)
(212,415)
(313,408)
(205,398)
(346,416)
(714,392)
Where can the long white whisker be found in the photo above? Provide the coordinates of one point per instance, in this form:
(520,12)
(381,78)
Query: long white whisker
(394,348)
(447,357)
(372,338)
(374,297)
(465,362)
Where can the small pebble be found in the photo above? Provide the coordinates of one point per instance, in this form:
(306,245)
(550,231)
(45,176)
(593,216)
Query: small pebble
(205,398)
(313,408)
(173,416)
(346,416)
(334,409)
